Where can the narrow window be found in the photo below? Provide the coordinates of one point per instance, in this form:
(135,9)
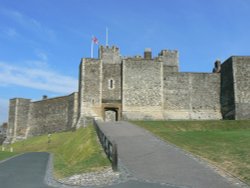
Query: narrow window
(111,84)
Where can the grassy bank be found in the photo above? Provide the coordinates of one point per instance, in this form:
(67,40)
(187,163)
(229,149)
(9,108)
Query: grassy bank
(6,154)
(74,152)
(224,143)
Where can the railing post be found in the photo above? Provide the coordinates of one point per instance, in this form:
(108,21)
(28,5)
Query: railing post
(114,157)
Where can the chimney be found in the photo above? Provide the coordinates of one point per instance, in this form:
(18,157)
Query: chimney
(147,53)
(217,66)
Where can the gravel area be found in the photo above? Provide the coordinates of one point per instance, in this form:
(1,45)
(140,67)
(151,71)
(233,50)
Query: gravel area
(104,177)
(101,178)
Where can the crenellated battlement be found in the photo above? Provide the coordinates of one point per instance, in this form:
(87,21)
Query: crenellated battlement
(109,54)
(166,52)
(105,50)
(170,58)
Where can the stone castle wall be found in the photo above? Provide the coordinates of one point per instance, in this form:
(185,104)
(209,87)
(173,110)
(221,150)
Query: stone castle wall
(28,118)
(3,130)
(90,89)
(154,90)
(53,115)
(111,82)
(142,89)
(235,88)
(18,118)
(191,96)
(241,73)
(227,90)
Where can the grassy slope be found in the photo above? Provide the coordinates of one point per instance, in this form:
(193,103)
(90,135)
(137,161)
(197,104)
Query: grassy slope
(224,143)
(6,154)
(74,152)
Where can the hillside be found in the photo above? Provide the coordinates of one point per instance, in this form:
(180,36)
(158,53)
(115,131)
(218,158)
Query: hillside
(74,152)
(225,144)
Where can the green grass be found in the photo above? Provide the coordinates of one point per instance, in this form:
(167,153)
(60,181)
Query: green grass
(223,143)
(6,154)
(74,152)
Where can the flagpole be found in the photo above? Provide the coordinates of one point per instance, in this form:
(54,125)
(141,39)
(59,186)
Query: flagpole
(92,48)
(107,36)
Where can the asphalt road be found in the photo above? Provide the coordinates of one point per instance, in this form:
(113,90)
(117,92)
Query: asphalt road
(28,171)
(24,171)
(137,184)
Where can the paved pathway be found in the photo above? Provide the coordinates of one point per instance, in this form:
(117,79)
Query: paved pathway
(24,171)
(149,158)
(28,171)
(153,163)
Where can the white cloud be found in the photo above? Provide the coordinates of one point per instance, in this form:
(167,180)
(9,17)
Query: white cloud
(37,63)
(29,23)
(20,18)
(36,78)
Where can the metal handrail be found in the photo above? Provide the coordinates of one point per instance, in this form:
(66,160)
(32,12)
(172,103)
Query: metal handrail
(109,147)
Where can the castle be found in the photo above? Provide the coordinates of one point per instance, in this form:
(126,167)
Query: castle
(114,88)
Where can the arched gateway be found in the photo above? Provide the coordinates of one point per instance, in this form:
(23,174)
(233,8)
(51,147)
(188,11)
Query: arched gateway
(111,114)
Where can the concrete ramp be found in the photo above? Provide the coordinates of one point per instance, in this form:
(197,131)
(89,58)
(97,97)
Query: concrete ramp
(150,159)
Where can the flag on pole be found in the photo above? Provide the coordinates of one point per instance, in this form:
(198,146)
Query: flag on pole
(95,40)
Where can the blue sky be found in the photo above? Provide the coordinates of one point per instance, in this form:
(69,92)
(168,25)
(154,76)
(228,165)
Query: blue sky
(42,41)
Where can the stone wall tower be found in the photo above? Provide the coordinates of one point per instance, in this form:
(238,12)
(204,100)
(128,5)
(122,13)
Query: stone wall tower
(100,85)
(170,59)
(111,82)
(18,119)
(235,88)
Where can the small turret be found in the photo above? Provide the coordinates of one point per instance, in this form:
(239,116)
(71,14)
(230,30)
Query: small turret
(170,58)
(109,54)
(148,53)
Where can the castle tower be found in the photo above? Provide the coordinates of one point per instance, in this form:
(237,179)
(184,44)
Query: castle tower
(111,82)
(18,119)
(235,88)
(100,85)
(170,59)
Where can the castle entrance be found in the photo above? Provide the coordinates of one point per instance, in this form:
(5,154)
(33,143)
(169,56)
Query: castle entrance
(111,110)
(111,114)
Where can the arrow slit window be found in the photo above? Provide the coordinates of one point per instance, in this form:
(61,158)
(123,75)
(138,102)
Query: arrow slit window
(111,84)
